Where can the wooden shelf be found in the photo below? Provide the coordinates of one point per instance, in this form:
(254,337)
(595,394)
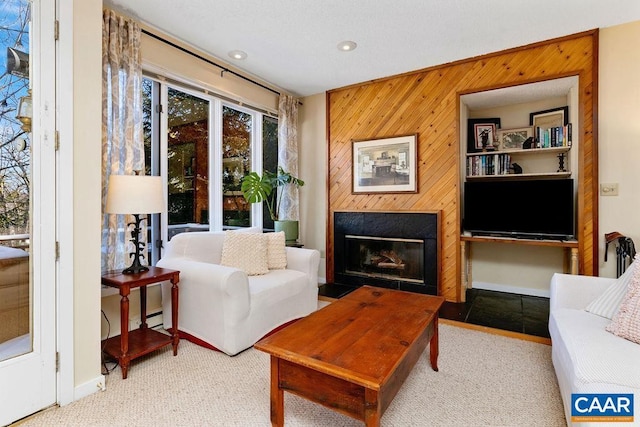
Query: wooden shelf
(521,151)
(530,242)
(516,153)
(141,342)
(570,247)
(521,176)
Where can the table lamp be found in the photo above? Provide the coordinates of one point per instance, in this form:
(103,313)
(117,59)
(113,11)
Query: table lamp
(135,195)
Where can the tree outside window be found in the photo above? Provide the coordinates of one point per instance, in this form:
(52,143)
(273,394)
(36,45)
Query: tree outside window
(15,142)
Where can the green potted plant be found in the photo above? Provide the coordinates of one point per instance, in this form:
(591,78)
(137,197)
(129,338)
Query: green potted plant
(256,189)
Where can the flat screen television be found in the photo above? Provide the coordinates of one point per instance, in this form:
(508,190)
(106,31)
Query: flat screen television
(540,208)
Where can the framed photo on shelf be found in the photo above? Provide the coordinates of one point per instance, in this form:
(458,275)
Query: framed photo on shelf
(549,118)
(387,165)
(512,139)
(485,135)
(475,135)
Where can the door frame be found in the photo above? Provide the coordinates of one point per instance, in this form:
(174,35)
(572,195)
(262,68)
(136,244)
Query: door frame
(79,118)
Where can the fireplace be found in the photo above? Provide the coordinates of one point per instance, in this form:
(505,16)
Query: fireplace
(397,250)
(394,259)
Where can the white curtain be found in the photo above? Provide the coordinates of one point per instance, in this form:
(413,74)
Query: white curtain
(288,154)
(122,141)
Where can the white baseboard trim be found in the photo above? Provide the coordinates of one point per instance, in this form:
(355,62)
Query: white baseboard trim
(90,387)
(153,319)
(511,289)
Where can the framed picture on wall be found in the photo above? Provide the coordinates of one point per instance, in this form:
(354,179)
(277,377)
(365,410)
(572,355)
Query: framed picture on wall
(387,165)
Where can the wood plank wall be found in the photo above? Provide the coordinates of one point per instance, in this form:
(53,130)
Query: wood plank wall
(426,102)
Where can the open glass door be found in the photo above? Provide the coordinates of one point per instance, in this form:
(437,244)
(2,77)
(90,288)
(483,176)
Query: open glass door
(27,207)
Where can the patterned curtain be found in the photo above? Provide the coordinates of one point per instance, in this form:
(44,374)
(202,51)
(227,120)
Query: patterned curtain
(122,141)
(288,153)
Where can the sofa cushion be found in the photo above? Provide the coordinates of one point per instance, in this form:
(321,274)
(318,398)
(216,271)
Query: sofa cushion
(592,354)
(626,322)
(246,251)
(276,286)
(276,251)
(608,303)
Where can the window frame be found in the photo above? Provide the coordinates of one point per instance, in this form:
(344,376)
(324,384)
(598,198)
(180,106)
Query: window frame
(256,158)
(159,138)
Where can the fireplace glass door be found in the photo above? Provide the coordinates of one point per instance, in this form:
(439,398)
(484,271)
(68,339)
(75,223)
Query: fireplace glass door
(386,258)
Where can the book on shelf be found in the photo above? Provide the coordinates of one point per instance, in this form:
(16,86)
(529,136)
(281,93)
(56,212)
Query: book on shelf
(556,136)
(489,164)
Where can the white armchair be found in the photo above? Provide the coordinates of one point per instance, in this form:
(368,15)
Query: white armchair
(222,307)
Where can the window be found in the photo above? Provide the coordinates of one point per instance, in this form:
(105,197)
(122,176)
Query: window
(269,157)
(150,129)
(204,146)
(237,129)
(16,177)
(187,162)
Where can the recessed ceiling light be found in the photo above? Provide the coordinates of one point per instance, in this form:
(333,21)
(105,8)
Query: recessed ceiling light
(347,45)
(238,54)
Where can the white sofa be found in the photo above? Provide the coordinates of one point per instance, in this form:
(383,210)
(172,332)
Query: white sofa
(587,358)
(222,307)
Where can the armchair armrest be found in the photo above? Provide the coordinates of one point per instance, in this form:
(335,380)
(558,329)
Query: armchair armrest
(304,260)
(225,290)
(576,291)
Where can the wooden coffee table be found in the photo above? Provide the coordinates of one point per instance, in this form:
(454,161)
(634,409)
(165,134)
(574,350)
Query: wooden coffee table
(353,355)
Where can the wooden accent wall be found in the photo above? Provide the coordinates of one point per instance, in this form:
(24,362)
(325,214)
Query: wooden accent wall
(427,102)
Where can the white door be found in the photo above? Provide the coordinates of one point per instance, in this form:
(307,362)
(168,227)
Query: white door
(27,210)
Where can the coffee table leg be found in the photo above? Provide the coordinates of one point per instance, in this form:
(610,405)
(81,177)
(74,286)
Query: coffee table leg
(277,394)
(433,346)
(372,410)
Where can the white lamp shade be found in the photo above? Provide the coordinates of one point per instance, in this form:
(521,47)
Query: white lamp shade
(135,194)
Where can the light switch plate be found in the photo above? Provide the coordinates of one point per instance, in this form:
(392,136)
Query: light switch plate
(609,189)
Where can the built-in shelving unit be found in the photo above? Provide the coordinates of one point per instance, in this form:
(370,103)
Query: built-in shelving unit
(500,261)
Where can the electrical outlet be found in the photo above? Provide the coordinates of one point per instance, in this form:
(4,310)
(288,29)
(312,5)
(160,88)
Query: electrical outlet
(609,189)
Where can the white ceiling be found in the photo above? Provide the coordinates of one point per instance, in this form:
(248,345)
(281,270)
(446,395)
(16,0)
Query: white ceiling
(521,93)
(292,44)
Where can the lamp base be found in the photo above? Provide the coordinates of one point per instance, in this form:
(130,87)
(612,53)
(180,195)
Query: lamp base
(135,269)
(136,266)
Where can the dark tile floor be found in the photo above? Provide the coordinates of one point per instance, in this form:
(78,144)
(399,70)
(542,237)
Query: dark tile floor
(334,290)
(501,310)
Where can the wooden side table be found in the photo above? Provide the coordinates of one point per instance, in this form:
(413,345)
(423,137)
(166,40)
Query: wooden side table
(132,344)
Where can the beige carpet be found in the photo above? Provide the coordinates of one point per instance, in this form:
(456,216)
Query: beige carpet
(484,380)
